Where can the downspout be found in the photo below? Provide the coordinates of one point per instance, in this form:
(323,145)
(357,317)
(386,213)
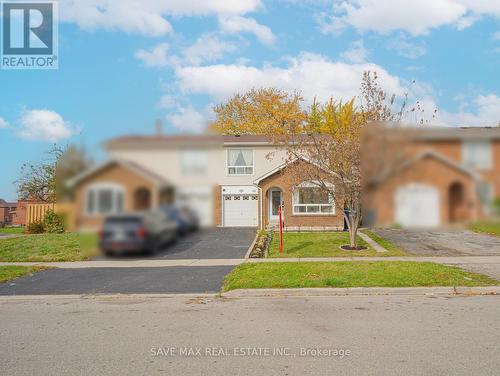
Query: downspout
(261,222)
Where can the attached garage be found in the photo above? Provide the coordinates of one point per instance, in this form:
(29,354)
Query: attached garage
(199,199)
(240,206)
(417,205)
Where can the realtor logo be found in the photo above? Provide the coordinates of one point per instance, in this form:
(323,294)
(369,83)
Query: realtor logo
(29,35)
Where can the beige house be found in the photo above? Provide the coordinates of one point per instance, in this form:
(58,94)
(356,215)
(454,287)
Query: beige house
(239,181)
(228,180)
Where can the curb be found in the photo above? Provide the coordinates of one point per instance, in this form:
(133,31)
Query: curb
(247,255)
(362,291)
(111,296)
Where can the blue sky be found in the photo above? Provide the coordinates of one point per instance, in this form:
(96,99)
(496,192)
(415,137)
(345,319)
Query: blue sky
(123,64)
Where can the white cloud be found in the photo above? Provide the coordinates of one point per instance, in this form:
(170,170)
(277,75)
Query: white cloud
(207,48)
(238,24)
(496,35)
(312,74)
(188,119)
(357,54)
(44,125)
(167,101)
(3,123)
(484,110)
(146,17)
(415,17)
(407,49)
(155,57)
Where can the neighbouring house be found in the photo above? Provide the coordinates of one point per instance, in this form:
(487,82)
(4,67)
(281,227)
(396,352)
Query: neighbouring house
(451,175)
(240,181)
(6,212)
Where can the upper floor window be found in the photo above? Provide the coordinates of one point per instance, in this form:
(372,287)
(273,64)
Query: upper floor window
(104,198)
(194,162)
(240,161)
(477,154)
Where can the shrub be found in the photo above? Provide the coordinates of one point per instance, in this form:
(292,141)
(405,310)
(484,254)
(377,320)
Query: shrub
(53,222)
(35,228)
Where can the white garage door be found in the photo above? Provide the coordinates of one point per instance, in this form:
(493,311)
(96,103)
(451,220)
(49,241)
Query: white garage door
(417,205)
(199,199)
(240,210)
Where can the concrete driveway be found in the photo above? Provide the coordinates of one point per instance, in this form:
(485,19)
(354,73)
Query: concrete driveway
(442,242)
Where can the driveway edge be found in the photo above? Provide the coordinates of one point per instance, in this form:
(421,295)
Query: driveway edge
(247,255)
(362,291)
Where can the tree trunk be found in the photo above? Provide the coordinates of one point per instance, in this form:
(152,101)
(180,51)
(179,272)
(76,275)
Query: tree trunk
(353,231)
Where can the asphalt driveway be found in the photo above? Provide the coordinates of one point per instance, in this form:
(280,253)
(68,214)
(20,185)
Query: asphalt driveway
(175,279)
(442,242)
(220,243)
(214,243)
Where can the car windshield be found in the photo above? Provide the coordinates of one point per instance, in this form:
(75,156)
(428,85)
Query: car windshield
(123,220)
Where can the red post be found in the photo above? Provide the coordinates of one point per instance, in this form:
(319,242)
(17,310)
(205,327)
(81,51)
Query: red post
(280,211)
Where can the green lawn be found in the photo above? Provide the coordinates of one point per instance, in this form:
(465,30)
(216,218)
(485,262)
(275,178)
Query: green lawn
(11,230)
(48,247)
(392,249)
(13,271)
(350,274)
(487,227)
(320,244)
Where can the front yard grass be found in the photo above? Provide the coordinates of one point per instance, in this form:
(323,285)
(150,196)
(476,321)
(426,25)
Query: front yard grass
(13,271)
(393,249)
(489,227)
(48,247)
(350,274)
(321,244)
(11,230)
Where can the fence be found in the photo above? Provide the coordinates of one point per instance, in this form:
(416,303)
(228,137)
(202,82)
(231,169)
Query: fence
(36,212)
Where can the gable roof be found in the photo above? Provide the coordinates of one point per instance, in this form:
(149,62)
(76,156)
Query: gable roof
(432,154)
(132,166)
(283,165)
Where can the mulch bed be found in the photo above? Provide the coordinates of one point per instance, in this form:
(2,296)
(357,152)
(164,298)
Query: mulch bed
(349,248)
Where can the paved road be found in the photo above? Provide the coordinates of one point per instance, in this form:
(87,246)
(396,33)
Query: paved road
(215,243)
(443,242)
(176,279)
(386,335)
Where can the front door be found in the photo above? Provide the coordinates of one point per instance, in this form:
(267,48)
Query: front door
(274,203)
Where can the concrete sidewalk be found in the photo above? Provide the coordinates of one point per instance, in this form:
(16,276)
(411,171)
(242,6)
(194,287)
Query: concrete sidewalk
(463,260)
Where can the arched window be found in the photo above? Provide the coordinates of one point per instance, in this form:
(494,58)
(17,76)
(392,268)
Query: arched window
(104,198)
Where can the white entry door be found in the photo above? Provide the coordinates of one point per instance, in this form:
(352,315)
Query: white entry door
(274,203)
(417,205)
(240,210)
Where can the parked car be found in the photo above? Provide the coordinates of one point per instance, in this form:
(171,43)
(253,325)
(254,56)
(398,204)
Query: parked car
(186,220)
(137,232)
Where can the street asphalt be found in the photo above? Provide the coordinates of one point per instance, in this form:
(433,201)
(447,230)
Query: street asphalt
(140,335)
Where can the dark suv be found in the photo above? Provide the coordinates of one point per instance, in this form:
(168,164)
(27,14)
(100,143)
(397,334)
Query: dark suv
(143,232)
